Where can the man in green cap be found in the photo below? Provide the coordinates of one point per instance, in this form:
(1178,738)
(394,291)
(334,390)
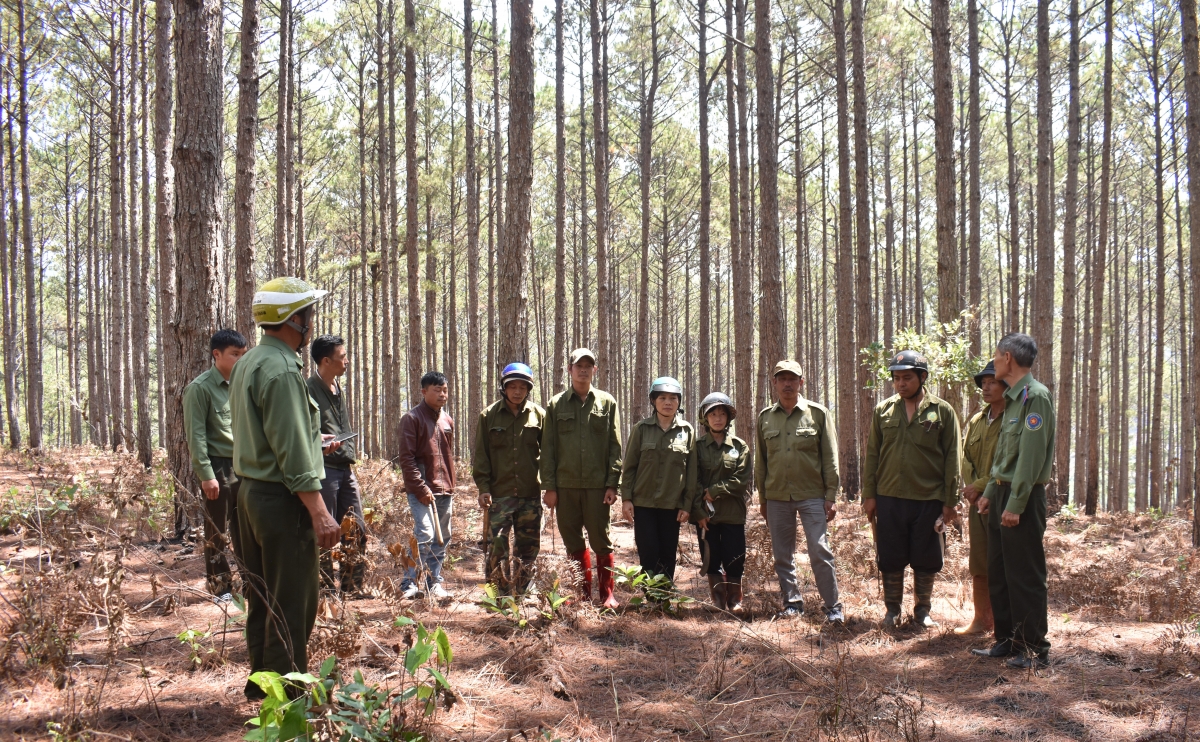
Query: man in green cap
(277,454)
(581,468)
(910,485)
(796,473)
(210,441)
(339,488)
(1015,505)
(979,445)
(508,445)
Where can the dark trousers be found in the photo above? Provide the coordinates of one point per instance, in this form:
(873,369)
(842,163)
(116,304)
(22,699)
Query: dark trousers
(340,492)
(726,549)
(279,548)
(656,533)
(221,529)
(523,517)
(904,534)
(1017,571)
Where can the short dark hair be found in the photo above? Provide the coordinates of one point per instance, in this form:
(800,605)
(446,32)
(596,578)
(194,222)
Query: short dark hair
(1022,347)
(226,338)
(324,346)
(433,378)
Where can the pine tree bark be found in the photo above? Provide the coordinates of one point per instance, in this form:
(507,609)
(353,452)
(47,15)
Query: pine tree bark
(244,185)
(518,230)
(599,37)
(560,207)
(474,353)
(1066,390)
(743,309)
(411,196)
(139,288)
(33,331)
(771,331)
(1160,283)
(164,220)
(648,92)
(943,129)
(975,277)
(283,132)
(116,237)
(10,341)
(703,242)
(197,153)
(1044,273)
(848,398)
(1191,82)
(864,317)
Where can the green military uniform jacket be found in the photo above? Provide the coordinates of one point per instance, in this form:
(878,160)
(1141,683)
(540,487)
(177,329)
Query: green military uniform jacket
(660,465)
(723,470)
(507,450)
(276,424)
(206,422)
(796,457)
(913,459)
(334,419)
(1024,453)
(581,442)
(979,446)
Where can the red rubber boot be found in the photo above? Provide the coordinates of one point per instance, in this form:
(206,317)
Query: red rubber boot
(604,575)
(584,560)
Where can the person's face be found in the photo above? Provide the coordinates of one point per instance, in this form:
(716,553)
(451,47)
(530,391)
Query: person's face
(992,390)
(583,371)
(225,359)
(336,362)
(907,383)
(1003,363)
(516,392)
(436,395)
(787,385)
(666,405)
(717,419)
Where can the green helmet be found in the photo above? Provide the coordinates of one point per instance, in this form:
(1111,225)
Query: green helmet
(665,385)
(280,298)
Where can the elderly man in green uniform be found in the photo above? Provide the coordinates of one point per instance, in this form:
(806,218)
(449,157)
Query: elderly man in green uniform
(910,485)
(508,446)
(581,468)
(277,454)
(339,488)
(796,473)
(210,442)
(1015,504)
(979,445)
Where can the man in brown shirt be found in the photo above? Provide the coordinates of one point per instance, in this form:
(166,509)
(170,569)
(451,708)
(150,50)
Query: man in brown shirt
(427,464)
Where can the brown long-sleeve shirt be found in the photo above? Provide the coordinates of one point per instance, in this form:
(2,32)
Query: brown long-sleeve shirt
(427,451)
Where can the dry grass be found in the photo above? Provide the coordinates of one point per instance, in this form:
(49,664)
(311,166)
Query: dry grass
(91,601)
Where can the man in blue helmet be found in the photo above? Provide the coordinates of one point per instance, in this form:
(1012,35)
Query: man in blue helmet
(508,447)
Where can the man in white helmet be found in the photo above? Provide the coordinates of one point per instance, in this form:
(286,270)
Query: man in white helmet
(277,454)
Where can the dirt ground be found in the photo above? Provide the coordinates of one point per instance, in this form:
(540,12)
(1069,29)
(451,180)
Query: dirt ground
(90,616)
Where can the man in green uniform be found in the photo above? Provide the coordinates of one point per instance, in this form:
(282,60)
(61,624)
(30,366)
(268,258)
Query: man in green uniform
(796,473)
(210,441)
(339,488)
(581,468)
(979,445)
(1015,504)
(910,485)
(277,454)
(508,445)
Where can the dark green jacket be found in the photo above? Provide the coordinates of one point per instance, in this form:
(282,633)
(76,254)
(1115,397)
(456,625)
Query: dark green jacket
(724,470)
(276,424)
(581,442)
(913,459)
(796,457)
(206,422)
(1025,451)
(660,465)
(334,419)
(508,450)
(979,448)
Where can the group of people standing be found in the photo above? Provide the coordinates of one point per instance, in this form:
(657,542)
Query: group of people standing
(274,454)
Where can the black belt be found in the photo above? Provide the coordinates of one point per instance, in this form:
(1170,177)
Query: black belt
(342,466)
(271,488)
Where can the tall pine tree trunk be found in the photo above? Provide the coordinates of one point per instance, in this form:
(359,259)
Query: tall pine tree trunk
(771,332)
(474,353)
(702,236)
(560,207)
(1044,273)
(1066,389)
(518,234)
(164,221)
(863,315)
(847,352)
(243,189)
(1191,82)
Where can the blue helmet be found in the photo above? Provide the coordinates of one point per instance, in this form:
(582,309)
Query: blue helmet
(665,385)
(516,372)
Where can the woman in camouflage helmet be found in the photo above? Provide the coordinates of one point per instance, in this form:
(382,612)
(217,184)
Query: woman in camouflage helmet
(720,508)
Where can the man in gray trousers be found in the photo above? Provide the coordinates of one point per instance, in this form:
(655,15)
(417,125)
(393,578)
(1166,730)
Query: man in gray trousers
(796,472)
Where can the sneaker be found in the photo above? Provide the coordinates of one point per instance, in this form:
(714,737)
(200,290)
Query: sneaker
(224,598)
(439,593)
(791,610)
(835,616)
(410,592)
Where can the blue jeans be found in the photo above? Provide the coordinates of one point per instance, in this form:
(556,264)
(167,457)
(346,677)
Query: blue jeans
(432,554)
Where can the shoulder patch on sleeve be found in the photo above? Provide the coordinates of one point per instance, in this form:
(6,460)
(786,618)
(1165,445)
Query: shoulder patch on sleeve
(1033,421)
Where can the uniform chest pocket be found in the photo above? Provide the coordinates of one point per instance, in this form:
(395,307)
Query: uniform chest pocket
(497,437)
(599,422)
(806,438)
(773,440)
(891,430)
(531,434)
(730,459)
(566,422)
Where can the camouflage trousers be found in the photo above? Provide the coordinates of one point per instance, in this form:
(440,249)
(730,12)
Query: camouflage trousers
(522,516)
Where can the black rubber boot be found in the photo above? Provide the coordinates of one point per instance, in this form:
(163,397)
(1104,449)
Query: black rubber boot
(893,596)
(923,589)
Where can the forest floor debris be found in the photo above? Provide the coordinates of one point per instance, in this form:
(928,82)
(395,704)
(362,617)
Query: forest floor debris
(106,632)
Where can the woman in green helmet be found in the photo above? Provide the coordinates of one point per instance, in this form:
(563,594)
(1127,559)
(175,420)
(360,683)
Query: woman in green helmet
(720,506)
